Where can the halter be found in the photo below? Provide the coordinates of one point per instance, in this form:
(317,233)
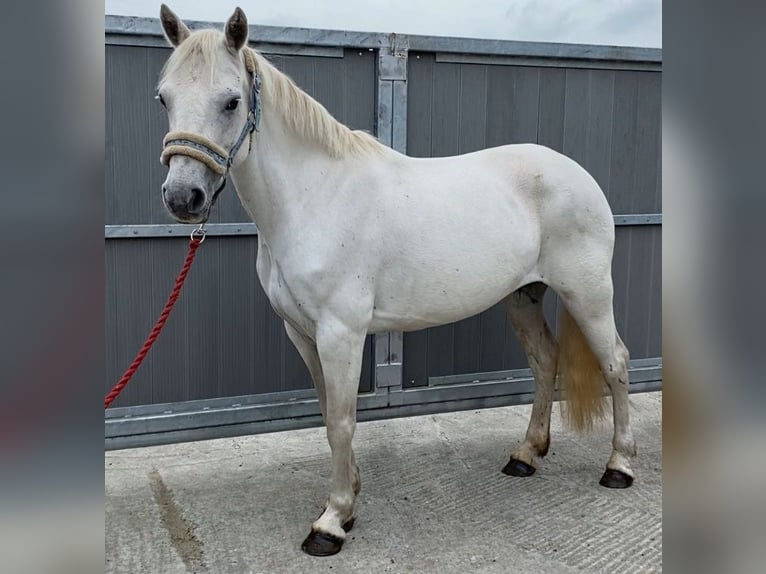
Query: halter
(202,149)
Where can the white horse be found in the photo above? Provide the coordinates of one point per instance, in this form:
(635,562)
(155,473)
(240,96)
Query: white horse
(355,238)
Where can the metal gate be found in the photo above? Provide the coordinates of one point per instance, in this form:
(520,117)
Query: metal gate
(224,365)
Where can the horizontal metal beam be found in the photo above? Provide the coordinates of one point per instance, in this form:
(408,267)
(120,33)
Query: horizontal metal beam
(641,370)
(315,420)
(638,219)
(196,420)
(176,230)
(548,62)
(263,47)
(222,229)
(207,404)
(534,49)
(137,27)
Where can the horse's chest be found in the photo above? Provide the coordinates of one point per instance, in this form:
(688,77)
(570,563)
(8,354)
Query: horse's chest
(276,287)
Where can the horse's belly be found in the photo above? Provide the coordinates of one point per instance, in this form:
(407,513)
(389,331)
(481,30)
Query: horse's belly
(442,285)
(441,304)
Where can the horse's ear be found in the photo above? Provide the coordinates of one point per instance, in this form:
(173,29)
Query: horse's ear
(175,30)
(236,30)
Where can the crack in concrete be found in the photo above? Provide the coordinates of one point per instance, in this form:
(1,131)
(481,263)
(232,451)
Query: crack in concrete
(443,436)
(181,530)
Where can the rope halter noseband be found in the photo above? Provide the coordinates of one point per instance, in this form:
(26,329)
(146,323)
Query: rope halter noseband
(202,149)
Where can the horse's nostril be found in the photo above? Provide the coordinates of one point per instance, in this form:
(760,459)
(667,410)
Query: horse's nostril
(197,200)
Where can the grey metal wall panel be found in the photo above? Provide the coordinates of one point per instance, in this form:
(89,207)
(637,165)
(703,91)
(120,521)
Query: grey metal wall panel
(445,112)
(654,312)
(420,84)
(649,145)
(512,108)
(328,84)
(472,100)
(128,162)
(492,336)
(359,81)
(598,146)
(236,307)
(637,272)
(550,128)
(606,119)
(155,129)
(128,316)
(466,345)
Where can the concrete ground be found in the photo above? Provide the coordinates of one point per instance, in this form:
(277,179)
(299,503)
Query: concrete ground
(433,500)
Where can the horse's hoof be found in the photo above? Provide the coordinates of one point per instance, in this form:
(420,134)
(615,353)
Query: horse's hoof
(615,479)
(323,544)
(517,467)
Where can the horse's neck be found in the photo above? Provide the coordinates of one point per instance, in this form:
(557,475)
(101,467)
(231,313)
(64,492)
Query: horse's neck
(282,175)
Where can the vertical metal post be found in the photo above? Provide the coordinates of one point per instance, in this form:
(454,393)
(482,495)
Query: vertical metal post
(392,131)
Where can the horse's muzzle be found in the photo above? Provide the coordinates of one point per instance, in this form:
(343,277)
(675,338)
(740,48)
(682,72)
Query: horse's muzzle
(186,203)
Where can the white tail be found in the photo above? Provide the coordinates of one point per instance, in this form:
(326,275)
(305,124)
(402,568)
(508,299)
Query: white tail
(579,374)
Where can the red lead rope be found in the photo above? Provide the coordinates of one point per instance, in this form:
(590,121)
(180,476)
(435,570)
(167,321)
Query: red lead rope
(196,240)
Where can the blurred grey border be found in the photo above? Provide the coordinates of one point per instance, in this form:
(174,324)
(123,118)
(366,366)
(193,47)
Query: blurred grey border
(51,287)
(714,93)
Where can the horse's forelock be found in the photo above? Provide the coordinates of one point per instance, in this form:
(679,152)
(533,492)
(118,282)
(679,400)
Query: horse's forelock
(200,45)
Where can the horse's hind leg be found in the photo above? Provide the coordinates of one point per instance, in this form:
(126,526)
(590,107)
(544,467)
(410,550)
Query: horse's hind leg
(525,309)
(592,310)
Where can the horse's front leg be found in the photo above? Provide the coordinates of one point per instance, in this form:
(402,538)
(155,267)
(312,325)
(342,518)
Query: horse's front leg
(340,351)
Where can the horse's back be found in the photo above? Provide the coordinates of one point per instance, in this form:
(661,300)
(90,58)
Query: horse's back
(526,182)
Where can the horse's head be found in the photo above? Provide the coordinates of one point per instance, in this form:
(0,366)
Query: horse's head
(208,89)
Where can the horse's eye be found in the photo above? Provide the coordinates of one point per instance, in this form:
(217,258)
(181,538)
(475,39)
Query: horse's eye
(232,105)
(161,100)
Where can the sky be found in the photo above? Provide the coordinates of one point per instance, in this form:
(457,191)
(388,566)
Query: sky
(606,22)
